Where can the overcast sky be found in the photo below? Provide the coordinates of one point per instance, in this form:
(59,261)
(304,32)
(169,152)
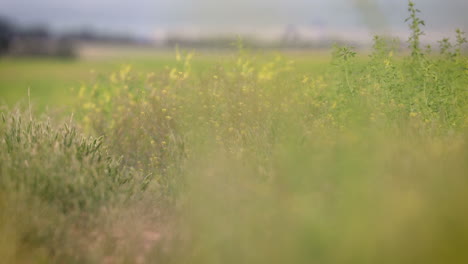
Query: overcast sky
(141,17)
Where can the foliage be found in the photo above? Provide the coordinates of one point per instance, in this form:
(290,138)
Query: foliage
(253,161)
(58,165)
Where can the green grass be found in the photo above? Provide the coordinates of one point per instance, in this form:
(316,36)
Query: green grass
(52,81)
(242,158)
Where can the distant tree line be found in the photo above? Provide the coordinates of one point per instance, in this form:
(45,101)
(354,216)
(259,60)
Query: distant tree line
(31,41)
(6,35)
(38,40)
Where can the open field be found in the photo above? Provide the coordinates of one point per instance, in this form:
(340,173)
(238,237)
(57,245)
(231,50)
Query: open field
(246,157)
(52,81)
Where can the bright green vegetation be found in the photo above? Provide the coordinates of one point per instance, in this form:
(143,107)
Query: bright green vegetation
(253,158)
(52,81)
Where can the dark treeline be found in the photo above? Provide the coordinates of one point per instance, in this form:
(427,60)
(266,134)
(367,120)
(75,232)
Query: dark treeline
(39,40)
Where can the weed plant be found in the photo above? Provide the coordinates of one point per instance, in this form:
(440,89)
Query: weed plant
(251,162)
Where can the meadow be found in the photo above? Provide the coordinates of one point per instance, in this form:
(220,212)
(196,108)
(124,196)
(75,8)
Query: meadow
(249,157)
(52,81)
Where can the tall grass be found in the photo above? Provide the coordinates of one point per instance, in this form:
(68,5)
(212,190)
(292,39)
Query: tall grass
(250,162)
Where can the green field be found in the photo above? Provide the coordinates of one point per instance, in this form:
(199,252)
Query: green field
(52,81)
(246,157)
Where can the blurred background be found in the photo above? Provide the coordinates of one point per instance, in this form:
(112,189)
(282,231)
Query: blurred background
(52,46)
(77,28)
